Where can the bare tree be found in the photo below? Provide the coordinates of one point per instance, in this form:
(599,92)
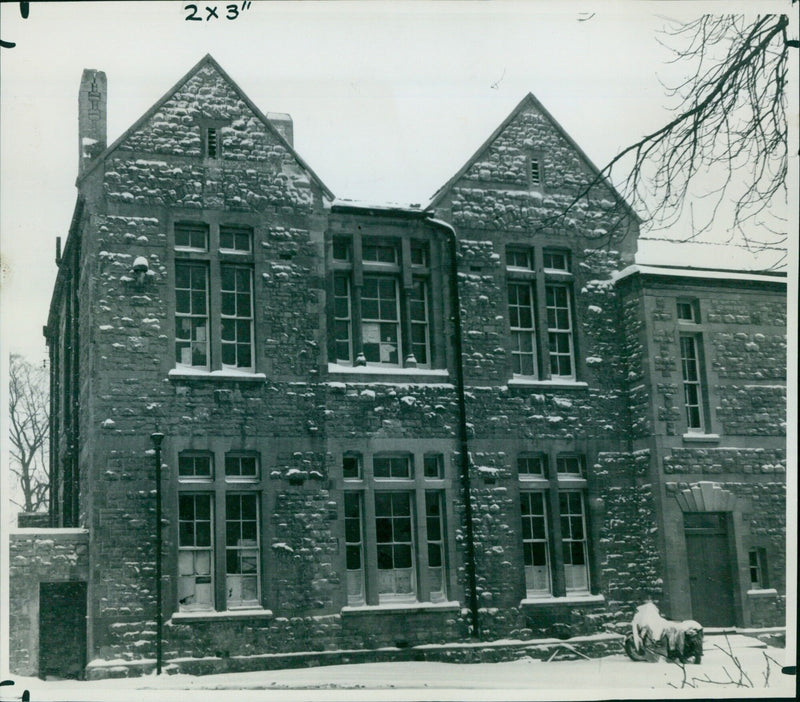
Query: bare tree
(725,151)
(28,399)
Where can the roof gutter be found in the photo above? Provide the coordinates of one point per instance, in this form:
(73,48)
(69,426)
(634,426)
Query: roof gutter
(472,590)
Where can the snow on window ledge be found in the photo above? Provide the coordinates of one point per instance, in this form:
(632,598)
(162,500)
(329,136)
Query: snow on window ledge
(402,607)
(700,438)
(576,599)
(211,615)
(186,373)
(48,531)
(387,370)
(763,592)
(552,383)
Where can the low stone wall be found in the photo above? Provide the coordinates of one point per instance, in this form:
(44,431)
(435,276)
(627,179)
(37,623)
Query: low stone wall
(38,556)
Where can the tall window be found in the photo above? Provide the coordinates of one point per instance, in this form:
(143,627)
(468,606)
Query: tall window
(241,549)
(382,312)
(555,546)
(395,544)
(573,539)
(559,331)
(523,334)
(395,528)
(535,545)
(380,320)
(195,553)
(534,276)
(236,289)
(213,266)
(434,523)
(191,314)
(692,387)
(218,511)
(354,548)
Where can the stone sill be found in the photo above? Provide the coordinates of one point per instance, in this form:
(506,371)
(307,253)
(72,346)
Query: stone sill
(565,600)
(399,607)
(557,384)
(216,375)
(765,592)
(701,438)
(48,531)
(229,615)
(386,374)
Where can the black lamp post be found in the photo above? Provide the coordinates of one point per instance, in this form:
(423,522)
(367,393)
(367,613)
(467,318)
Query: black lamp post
(157,438)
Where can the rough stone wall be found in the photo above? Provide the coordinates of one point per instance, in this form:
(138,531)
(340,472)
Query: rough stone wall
(493,193)
(631,567)
(491,206)
(752,410)
(35,556)
(128,330)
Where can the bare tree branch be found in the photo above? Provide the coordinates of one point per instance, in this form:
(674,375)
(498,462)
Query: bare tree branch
(726,147)
(28,404)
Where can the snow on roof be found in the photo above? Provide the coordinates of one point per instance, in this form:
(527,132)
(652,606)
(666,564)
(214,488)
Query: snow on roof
(399,207)
(704,273)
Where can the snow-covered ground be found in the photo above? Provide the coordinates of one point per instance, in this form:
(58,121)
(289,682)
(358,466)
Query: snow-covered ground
(610,677)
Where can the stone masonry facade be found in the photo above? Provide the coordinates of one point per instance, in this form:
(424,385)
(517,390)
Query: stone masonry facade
(386,427)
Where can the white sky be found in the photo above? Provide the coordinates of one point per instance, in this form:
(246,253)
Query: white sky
(388,99)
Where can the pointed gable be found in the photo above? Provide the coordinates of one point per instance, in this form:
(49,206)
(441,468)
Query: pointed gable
(534,168)
(207,97)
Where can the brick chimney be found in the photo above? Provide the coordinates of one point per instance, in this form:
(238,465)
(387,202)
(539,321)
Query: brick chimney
(91,117)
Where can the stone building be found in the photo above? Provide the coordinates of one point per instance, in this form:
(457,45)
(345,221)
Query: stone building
(383,426)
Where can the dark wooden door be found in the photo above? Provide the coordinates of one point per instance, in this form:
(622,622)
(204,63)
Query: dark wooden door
(62,629)
(710,568)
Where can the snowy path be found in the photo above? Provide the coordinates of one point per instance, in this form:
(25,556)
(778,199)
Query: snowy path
(609,677)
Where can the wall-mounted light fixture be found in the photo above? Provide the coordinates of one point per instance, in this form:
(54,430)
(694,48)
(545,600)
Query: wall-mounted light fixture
(140,269)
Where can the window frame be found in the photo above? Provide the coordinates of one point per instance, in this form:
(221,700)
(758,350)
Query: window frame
(759,568)
(553,485)
(696,385)
(416,281)
(543,282)
(530,590)
(231,604)
(215,261)
(217,490)
(419,490)
(535,180)
(194,549)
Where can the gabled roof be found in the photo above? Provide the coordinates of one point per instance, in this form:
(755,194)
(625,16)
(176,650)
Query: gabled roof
(207,60)
(528,101)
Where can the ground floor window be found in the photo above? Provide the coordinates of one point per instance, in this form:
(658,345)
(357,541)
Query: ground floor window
(555,543)
(219,549)
(395,531)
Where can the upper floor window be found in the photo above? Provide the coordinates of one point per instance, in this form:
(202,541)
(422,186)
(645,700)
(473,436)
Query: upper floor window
(382,298)
(546,349)
(236,239)
(535,171)
(693,386)
(212,144)
(191,236)
(213,265)
(687,311)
